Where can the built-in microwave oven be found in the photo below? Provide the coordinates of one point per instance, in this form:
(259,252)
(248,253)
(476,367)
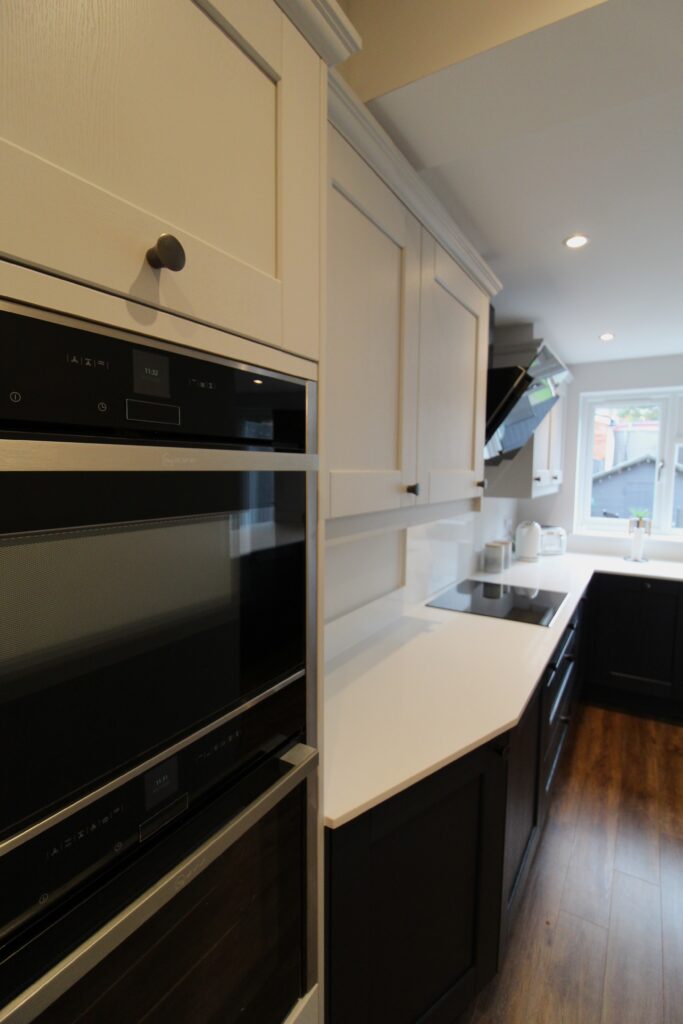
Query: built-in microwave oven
(157,593)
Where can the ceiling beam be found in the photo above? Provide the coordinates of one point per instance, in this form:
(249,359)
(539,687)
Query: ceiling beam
(404,40)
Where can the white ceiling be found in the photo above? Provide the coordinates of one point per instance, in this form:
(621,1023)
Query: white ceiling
(575,127)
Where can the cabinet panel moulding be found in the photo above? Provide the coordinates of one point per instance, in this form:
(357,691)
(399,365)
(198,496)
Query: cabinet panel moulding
(325,26)
(355,122)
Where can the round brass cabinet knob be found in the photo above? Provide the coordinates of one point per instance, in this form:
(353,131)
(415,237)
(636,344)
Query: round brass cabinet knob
(168,253)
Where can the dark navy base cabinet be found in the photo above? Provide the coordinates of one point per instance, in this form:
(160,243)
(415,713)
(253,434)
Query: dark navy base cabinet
(635,655)
(413,898)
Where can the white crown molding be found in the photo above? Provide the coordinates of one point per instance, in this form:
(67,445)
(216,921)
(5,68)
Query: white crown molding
(362,131)
(325,26)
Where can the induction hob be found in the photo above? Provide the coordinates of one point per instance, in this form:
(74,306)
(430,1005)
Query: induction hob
(502,601)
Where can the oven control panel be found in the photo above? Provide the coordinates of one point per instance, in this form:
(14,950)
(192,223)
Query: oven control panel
(66,381)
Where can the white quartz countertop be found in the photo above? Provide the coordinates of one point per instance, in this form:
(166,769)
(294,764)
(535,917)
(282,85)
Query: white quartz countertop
(437,684)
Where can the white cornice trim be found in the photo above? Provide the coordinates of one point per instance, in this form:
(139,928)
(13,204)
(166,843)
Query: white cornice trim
(325,26)
(360,129)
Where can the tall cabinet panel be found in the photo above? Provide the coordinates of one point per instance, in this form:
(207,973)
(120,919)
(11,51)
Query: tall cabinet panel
(452,376)
(373,313)
(123,121)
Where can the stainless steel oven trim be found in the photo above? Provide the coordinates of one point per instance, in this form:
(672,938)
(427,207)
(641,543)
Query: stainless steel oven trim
(23,455)
(72,968)
(65,812)
(312,568)
(83,324)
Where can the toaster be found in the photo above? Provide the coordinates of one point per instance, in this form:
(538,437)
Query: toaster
(553,540)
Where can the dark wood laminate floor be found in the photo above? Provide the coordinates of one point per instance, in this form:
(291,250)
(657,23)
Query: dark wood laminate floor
(599,937)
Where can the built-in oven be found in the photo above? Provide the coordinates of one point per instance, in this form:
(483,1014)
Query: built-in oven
(157,567)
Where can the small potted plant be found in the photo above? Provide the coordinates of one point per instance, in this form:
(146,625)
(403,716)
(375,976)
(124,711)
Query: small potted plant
(638,526)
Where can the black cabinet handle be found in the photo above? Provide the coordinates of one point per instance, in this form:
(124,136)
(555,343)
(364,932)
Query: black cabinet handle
(413,489)
(537,479)
(168,252)
(565,718)
(481,483)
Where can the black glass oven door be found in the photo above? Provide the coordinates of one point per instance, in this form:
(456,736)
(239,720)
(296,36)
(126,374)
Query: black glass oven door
(135,607)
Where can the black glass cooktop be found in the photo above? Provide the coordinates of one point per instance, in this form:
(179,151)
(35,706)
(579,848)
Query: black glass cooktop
(502,601)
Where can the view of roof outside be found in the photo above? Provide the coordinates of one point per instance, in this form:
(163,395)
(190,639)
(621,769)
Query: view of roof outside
(625,452)
(677,519)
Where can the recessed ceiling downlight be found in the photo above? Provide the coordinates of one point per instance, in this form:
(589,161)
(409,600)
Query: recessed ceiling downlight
(607,336)
(576,241)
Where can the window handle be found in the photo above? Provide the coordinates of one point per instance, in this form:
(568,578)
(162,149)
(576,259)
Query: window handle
(660,467)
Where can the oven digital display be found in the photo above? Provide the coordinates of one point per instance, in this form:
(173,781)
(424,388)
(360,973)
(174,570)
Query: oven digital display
(161,783)
(151,375)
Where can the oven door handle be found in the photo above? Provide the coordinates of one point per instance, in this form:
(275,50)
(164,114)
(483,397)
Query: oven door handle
(24,455)
(301,761)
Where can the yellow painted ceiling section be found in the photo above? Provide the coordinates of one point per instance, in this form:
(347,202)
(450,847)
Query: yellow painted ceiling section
(404,40)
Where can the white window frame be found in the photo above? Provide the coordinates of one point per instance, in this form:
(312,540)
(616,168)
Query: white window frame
(670,401)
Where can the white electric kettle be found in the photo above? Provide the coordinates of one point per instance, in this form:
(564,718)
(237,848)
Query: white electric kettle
(528,542)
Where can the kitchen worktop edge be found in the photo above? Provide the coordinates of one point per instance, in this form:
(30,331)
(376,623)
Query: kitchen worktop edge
(435,685)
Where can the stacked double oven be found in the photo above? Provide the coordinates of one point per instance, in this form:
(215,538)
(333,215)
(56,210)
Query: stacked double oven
(157,690)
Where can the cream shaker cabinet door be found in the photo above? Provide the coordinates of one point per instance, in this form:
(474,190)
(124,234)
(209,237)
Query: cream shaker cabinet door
(541,454)
(371,350)
(556,447)
(547,444)
(121,120)
(452,379)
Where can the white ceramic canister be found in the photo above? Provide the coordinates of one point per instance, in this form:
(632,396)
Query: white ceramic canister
(494,557)
(528,541)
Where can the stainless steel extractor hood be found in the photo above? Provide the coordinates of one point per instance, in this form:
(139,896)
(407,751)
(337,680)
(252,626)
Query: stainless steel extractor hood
(522,387)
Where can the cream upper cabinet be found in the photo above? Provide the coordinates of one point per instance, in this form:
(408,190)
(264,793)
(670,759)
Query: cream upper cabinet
(452,379)
(547,444)
(121,120)
(406,356)
(373,296)
(541,449)
(556,447)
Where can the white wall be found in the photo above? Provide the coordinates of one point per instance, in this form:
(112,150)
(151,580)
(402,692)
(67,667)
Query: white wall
(372,580)
(497,521)
(558,509)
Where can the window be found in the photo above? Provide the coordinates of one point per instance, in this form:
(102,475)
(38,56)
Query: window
(677,521)
(630,461)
